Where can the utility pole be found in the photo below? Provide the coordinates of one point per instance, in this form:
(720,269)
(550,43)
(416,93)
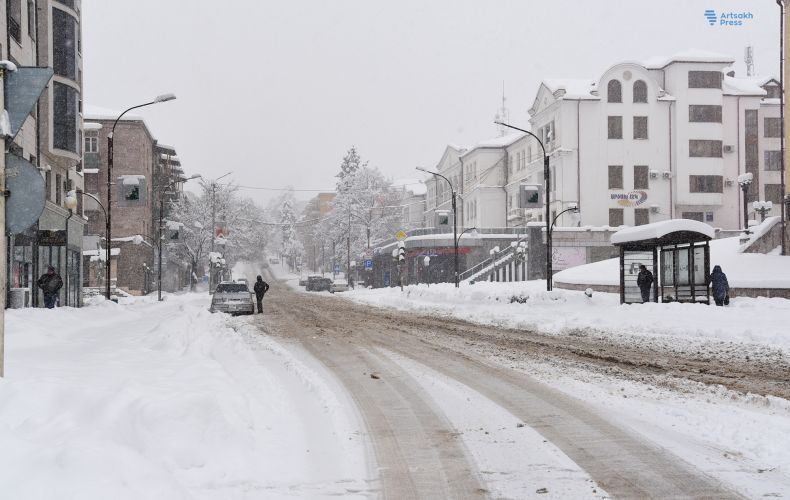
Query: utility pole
(3,250)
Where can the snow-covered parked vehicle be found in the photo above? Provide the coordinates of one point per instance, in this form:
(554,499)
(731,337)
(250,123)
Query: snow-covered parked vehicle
(233,298)
(339,285)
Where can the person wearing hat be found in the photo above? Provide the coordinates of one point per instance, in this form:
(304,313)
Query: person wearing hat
(50,283)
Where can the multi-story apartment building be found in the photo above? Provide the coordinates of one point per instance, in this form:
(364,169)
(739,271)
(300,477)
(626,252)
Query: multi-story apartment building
(136,158)
(47,33)
(654,141)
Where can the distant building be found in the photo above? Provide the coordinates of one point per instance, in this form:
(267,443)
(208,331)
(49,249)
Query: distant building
(654,141)
(47,33)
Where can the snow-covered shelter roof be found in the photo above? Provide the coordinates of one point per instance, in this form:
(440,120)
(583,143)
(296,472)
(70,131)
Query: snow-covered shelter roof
(657,232)
(571,88)
(688,56)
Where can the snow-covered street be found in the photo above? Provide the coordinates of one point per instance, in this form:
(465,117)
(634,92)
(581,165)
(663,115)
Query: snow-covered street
(324,397)
(165,400)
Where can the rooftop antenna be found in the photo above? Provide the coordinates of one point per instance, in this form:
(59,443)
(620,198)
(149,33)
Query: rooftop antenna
(502,114)
(748,57)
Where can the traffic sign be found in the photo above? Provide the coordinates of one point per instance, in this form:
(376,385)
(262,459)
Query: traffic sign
(368,264)
(337,268)
(27,194)
(400,235)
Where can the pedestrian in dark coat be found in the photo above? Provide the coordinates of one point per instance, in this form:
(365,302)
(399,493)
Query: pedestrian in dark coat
(721,289)
(261,287)
(50,283)
(644,281)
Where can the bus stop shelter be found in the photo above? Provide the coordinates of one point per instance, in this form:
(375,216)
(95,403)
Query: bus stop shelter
(676,251)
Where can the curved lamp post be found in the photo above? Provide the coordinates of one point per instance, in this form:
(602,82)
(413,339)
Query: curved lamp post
(782,179)
(547,183)
(158,99)
(455,218)
(70,202)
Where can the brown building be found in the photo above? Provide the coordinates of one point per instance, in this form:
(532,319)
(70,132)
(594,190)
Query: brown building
(47,33)
(135,160)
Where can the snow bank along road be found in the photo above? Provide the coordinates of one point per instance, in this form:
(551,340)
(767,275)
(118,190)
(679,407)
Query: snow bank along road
(418,448)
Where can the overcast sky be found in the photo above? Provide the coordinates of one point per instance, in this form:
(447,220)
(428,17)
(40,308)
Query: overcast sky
(277,91)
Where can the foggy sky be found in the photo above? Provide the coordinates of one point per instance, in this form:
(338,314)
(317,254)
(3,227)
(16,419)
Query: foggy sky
(277,91)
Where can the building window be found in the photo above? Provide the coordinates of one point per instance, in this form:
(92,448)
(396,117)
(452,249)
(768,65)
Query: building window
(773,193)
(91,143)
(641,216)
(614,91)
(641,174)
(615,127)
(48,182)
(706,184)
(705,79)
(773,91)
(15,19)
(692,216)
(615,217)
(703,148)
(708,216)
(64,49)
(640,127)
(31,19)
(705,113)
(640,91)
(772,127)
(58,189)
(65,116)
(615,177)
(132,193)
(772,160)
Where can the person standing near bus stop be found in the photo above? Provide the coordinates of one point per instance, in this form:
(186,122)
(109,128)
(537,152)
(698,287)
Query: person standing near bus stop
(645,282)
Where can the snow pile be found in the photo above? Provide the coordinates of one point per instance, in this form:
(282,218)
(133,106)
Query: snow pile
(163,400)
(528,306)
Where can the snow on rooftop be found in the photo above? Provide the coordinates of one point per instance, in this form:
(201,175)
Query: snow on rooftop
(497,142)
(92,112)
(660,229)
(131,180)
(173,225)
(90,170)
(574,88)
(91,126)
(691,55)
(743,86)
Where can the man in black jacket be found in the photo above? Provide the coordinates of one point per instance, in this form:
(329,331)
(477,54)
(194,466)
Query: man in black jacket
(645,282)
(50,283)
(261,287)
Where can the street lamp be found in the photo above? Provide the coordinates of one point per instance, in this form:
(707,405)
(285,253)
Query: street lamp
(70,202)
(547,183)
(745,180)
(213,219)
(157,99)
(455,218)
(572,208)
(762,208)
(161,223)
(782,179)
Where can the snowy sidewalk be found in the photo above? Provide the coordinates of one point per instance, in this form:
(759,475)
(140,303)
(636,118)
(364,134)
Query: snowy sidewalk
(165,400)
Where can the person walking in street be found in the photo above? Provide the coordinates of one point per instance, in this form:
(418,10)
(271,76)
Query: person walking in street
(261,287)
(645,282)
(50,283)
(721,289)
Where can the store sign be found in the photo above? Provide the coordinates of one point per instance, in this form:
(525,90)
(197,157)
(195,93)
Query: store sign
(52,238)
(632,199)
